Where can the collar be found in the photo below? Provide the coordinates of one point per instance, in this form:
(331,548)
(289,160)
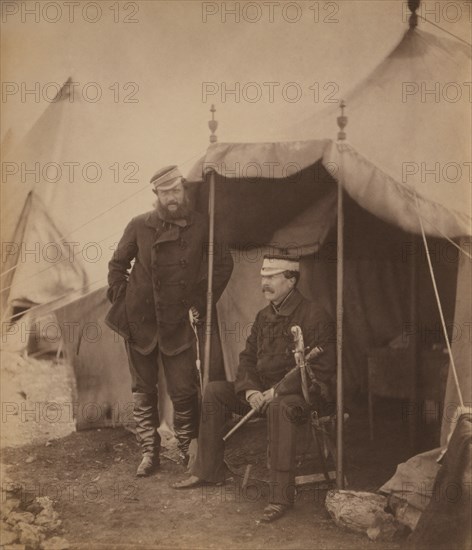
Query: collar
(154,220)
(289,304)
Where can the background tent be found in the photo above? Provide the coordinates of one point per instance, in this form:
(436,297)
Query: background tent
(64,197)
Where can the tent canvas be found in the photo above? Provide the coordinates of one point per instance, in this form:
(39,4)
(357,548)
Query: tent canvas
(411,118)
(103,382)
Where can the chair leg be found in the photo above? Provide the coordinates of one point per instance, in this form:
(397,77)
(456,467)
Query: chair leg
(318,443)
(371,415)
(329,435)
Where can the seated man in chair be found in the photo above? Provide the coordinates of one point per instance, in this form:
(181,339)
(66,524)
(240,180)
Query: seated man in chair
(265,361)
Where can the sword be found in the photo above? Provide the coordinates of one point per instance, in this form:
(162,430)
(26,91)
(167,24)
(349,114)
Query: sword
(193,323)
(300,359)
(243,420)
(314,353)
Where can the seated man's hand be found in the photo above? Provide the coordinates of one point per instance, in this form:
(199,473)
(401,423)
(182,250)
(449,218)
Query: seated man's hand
(256,400)
(268,396)
(259,400)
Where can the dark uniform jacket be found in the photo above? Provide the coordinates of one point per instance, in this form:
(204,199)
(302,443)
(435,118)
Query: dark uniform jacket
(169,276)
(268,355)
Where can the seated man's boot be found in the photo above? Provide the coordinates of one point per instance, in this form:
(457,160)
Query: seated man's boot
(186,419)
(147,421)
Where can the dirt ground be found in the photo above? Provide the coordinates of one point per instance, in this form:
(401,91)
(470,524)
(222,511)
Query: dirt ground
(90,477)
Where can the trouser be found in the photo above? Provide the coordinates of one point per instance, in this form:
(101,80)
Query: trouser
(182,386)
(285,414)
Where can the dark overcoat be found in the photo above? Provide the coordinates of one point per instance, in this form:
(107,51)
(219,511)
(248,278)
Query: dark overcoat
(268,354)
(152,296)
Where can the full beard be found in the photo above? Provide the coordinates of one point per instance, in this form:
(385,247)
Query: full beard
(181,212)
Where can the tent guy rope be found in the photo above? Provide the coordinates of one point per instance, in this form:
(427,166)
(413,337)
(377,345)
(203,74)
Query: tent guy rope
(444,30)
(436,293)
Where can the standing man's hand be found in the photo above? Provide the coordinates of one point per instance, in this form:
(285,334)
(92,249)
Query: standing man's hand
(195,315)
(115,291)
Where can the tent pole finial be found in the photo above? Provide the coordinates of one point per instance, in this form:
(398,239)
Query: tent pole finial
(213,125)
(413,5)
(342,121)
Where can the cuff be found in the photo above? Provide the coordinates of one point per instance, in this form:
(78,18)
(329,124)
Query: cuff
(249,393)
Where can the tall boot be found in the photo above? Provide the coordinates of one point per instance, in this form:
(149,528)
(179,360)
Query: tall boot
(147,421)
(186,419)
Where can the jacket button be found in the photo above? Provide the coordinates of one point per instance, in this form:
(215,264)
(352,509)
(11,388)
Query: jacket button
(143,318)
(183,284)
(183,243)
(183,262)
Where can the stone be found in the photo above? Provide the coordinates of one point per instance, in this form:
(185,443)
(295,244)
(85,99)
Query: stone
(30,535)
(55,543)
(8,505)
(48,520)
(363,512)
(7,536)
(12,487)
(17,517)
(35,508)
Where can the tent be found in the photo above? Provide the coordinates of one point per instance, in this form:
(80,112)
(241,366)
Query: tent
(283,196)
(280,190)
(57,181)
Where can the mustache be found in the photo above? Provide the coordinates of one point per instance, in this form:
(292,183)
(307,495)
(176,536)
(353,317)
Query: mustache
(267,288)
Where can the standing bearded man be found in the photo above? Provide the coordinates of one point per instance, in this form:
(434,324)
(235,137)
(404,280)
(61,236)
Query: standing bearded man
(261,384)
(151,303)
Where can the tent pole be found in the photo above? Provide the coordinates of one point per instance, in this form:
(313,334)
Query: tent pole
(339,344)
(212,124)
(413,345)
(209,306)
(342,121)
